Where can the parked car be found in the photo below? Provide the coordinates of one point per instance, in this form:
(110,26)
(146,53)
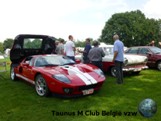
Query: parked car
(132,63)
(153,54)
(50,72)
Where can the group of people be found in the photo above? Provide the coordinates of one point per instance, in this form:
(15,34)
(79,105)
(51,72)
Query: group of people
(152,43)
(94,55)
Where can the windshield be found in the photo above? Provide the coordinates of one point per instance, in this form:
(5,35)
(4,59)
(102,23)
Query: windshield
(155,50)
(108,50)
(53,60)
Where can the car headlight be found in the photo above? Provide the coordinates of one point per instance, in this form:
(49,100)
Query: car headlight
(61,78)
(146,60)
(125,61)
(99,72)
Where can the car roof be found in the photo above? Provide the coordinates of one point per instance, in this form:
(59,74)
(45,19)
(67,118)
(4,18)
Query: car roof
(31,35)
(142,46)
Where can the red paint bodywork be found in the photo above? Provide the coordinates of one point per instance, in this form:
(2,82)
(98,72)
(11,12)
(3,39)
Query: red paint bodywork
(28,73)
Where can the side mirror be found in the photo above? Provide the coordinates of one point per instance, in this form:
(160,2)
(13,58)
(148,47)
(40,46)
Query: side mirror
(149,54)
(25,64)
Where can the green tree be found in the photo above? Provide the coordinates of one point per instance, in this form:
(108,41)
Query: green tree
(80,43)
(1,47)
(29,43)
(7,43)
(159,24)
(133,28)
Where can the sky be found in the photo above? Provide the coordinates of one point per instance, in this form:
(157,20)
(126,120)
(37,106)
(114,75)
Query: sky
(60,18)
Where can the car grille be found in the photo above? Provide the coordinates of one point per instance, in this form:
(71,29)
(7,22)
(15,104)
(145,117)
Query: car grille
(88,87)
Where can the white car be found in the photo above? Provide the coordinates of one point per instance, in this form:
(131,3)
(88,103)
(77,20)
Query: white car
(132,63)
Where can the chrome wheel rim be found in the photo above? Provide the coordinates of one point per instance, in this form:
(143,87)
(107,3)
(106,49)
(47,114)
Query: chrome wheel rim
(159,66)
(12,73)
(113,71)
(41,87)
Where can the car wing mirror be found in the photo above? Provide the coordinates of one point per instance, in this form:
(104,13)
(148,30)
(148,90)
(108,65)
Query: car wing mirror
(25,64)
(149,53)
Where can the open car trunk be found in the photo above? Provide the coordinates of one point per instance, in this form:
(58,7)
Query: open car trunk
(25,45)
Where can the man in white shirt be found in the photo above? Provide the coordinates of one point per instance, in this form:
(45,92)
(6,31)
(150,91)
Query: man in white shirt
(69,48)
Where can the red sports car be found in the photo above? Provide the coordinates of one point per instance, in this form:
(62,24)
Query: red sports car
(58,74)
(54,73)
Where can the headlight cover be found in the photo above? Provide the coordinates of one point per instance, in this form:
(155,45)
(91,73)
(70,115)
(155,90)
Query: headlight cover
(146,60)
(125,61)
(62,78)
(99,72)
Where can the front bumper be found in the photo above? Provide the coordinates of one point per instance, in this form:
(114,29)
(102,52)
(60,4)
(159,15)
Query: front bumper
(78,90)
(135,68)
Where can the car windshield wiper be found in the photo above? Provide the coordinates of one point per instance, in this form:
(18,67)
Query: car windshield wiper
(68,63)
(50,65)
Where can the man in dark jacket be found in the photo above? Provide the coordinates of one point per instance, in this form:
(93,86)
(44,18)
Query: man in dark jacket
(86,51)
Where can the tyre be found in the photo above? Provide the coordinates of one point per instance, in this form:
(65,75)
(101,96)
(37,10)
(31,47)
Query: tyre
(12,73)
(41,86)
(136,73)
(113,71)
(159,65)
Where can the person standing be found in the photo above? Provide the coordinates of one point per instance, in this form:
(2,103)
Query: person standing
(118,58)
(86,51)
(69,48)
(152,43)
(60,47)
(95,55)
(159,44)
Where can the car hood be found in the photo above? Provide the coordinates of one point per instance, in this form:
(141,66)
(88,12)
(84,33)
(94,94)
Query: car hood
(131,59)
(135,59)
(76,73)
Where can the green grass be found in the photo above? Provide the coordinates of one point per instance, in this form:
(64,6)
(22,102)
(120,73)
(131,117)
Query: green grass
(19,101)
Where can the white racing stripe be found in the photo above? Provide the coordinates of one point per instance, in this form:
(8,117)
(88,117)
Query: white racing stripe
(91,78)
(85,80)
(85,77)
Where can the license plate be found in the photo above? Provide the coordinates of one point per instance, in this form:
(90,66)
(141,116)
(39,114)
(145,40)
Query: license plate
(87,92)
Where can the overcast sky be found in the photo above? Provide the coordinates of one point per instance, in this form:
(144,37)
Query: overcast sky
(59,18)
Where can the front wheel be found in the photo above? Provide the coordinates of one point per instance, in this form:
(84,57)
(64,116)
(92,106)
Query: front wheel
(41,86)
(113,71)
(136,73)
(159,65)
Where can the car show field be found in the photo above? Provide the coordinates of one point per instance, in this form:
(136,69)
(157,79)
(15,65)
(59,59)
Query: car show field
(19,101)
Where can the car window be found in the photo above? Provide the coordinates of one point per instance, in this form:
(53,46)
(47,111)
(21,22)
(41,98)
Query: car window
(155,50)
(50,60)
(143,51)
(40,62)
(32,43)
(107,50)
(28,60)
(132,51)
